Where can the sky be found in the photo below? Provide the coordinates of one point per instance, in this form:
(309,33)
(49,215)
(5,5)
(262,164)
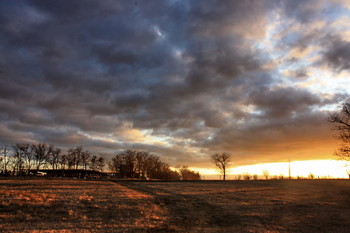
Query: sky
(181,79)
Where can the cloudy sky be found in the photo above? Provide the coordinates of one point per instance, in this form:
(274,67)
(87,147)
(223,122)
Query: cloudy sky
(182,79)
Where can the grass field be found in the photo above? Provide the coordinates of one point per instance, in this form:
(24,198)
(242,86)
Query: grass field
(61,205)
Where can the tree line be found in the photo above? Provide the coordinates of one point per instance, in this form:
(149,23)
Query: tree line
(23,159)
(144,165)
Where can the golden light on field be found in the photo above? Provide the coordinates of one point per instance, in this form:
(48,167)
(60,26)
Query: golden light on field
(318,168)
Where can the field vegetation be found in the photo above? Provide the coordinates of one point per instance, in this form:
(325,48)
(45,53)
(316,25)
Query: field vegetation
(70,205)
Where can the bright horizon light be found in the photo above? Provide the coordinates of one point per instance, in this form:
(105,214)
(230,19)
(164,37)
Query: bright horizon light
(318,168)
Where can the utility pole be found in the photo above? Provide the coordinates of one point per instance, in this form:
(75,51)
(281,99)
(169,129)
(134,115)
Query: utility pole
(289,172)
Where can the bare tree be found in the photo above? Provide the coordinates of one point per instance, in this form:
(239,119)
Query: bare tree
(41,153)
(221,161)
(93,163)
(311,176)
(153,166)
(187,174)
(166,173)
(74,157)
(141,163)
(2,166)
(266,174)
(24,157)
(100,163)
(247,176)
(4,154)
(129,157)
(129,162)
(63,161)
(17,160)
(124,164)
(28,155)
(115,164)
(341,120)
(84,157)
(71,158)
(54,158)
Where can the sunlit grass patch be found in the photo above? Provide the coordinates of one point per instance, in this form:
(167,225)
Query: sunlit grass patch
(233,206)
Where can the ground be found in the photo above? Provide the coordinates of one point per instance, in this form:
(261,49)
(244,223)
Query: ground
(63,205)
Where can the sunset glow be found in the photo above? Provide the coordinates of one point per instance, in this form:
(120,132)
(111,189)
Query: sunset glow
(323,169)
(179,79)
(175,116)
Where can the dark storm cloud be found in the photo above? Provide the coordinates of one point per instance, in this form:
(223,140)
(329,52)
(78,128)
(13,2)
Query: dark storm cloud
(337,54)
(305,11)
(282,102)
(86,72)
(10,136)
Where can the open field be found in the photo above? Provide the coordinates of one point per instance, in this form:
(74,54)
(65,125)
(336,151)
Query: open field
(61,205)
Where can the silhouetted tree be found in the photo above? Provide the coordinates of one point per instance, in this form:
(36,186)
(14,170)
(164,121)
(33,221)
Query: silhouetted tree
(266,174)
(115,164)
(342,121)
(4,156)
(246,176)
(54,158)
(74,157)
(187,174)
(166,173)
(41,153)
(100,163)
(71,158)
(84,158)
(222,162)
(124,164)
(23,157)
(28,155)
(129,163)
(17,160)
(63,161)
(311,176)
(153,167)
(129,157)
(141,162)
(2,165)
(93,163)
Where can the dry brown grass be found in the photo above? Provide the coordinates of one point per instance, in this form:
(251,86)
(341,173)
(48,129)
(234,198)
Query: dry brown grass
(74,206)
(40,205)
